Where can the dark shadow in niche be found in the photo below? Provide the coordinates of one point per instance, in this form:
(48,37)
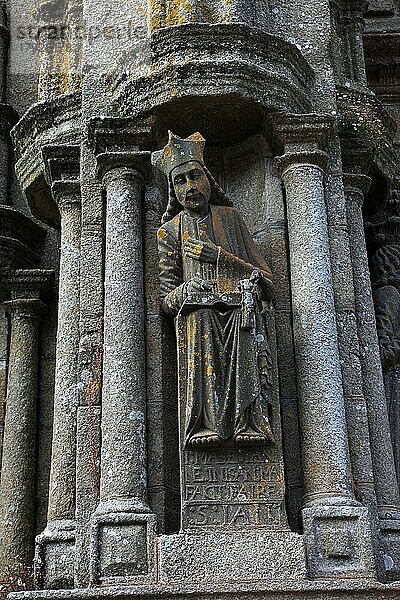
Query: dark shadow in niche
(162,385)
(222,121)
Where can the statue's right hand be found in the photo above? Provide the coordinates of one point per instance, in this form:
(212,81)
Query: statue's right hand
(197,284)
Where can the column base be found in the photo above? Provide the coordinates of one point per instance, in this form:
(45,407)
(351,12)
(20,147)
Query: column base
(390,544)
(55,556)
(122,544)
(338,542)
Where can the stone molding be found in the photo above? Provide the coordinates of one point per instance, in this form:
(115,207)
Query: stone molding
(44,116)
(27,307)
(114,165)
(358,110)
(54,123)
(116,134)
(358,184)
(62,169)
(382,53)
(348,589)
(29,283)
(364,122)
(301,128)
(120,146)
(221,60)
(66,192)
(292,160)
(61,162)
(20,239)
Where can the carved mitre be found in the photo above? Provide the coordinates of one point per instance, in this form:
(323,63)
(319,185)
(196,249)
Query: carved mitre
(179,151)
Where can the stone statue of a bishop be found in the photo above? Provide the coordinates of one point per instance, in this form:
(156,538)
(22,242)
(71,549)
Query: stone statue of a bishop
(216,283)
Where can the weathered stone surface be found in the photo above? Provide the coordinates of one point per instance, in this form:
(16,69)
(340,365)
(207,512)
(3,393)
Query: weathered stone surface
(258,80)
(231,556)
(87,483)
(58,570)
(19,443)
(338,542)
(350,589)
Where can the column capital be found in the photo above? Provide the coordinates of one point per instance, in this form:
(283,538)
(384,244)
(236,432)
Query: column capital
(115,133)
(356,186)
(61,161)
(26,307)
(123,164)
(66,192)
(62,170)
(27,284)
(298,130)
(313,158)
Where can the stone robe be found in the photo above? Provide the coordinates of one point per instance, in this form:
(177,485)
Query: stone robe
(223,352)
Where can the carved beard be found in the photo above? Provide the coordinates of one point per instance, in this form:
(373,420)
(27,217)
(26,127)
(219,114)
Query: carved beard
(218,197)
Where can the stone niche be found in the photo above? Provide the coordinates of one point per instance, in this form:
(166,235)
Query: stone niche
(232,497)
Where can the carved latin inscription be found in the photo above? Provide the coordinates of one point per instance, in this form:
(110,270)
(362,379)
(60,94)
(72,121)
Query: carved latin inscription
(232,489)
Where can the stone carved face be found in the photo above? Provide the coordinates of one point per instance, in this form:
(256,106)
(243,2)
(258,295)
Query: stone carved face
(192,187)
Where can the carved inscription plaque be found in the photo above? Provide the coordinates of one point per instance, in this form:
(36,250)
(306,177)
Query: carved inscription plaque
(232,488)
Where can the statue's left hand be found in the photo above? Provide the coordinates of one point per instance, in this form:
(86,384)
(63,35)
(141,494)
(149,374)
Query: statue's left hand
(265,285)
(205,251)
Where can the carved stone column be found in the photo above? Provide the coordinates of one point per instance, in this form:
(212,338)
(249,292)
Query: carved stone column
(55,552)
(336,526)
(386,486)
(123,526)
(17,487)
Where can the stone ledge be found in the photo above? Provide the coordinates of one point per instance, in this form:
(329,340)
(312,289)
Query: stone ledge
(355,589)
(56,122)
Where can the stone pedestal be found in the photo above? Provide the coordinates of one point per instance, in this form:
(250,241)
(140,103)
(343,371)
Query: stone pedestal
(123,526)
(336,527)
(17,488)
(55,546)
(231,555)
